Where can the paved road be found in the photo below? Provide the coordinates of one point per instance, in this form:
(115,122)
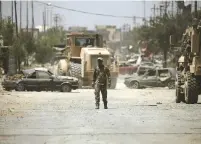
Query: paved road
(134,117)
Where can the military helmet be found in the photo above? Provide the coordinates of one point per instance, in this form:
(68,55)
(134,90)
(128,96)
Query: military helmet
(99,59)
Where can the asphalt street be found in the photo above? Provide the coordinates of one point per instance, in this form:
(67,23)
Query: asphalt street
(148,116)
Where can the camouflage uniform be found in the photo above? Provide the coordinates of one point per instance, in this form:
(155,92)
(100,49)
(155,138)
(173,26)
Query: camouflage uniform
(100,76)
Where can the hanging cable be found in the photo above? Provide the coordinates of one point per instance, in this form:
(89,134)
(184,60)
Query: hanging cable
(90,13)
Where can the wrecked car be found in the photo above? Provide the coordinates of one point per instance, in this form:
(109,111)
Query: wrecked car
(142,69)
(39,79)
(127,68)
(152,78)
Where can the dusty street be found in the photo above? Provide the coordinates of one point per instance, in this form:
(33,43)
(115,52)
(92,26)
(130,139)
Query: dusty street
(134,117)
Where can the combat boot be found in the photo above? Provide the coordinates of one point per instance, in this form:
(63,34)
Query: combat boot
(97,105)
(105,105)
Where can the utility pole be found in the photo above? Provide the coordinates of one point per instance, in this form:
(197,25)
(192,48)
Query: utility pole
(44,21)
(32,8)
(16,27)
(12,11)
(165,43)
(0,10)
(154,8)
(56,20)
(20,16)
(134,21)
(50,8)
(27,16)
(166,5)
(144,12)
(172,8)
(196,13)
(16,24)
(161,6)
(177,9)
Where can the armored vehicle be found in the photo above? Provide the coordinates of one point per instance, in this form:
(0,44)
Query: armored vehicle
(188,78)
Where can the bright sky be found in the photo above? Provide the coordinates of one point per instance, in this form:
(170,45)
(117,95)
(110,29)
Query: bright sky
(121,8)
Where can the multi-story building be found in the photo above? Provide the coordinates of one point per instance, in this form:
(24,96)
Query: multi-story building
(109,32)
(77,28)
(111,35)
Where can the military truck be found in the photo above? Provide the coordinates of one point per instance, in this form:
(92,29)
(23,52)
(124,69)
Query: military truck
(78,58)
(188,78)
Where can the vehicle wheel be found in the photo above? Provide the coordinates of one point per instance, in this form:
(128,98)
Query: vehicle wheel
(66,88)
(113,83)
(20,87)
(191,90)
(171,85)
(134,85)
(80,83)
(195,99)
(38,90)
(179,95)
(7,89)
(75,70)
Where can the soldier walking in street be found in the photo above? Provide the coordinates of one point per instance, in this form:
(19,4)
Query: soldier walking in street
(101,77)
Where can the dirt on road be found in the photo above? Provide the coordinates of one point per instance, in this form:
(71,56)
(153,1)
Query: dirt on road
(134,116)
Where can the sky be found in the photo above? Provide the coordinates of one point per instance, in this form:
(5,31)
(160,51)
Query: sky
(68,18)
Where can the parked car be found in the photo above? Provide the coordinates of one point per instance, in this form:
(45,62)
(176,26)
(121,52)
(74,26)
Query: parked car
(39,79)
(152,78)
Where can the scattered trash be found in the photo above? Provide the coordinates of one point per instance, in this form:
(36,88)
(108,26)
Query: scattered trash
(11,109)
(152,105)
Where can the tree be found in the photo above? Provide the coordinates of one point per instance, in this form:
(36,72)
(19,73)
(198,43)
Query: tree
(25,45)
(18,51)
(7,30)
(158,32)
(53,36)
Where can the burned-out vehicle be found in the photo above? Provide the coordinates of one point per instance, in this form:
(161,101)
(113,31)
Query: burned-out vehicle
(142,69)
(127,68)
(39,79)
(152,78)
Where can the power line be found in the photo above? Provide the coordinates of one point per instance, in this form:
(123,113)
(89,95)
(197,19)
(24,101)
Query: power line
(90,13)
